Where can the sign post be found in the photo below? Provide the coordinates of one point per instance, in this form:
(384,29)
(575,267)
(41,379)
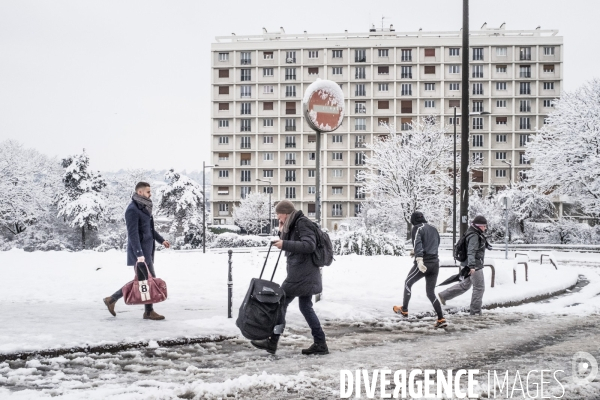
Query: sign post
(505,202)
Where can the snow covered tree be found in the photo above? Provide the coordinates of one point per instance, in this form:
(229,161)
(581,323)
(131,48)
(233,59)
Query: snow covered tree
(254,212)
(410,170)
(566,150)
(181,199)
(81,202)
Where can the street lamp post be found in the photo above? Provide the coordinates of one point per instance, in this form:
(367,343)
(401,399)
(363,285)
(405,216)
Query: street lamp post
(509,163)
(270,204)
(464,140)
(204,166)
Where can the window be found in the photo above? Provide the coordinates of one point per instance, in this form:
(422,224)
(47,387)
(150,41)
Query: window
(223,123)
(454,69)
(478,123)
(430,87)
(268,55)
(406,54)
(451,121)
(224,207)
(290,56)
(477,71)
(360,90)
(546,120)
(360,124)
(245,125)
(336,190)
(223,89)
(267,71)
(360,55)
(405,124)
(454,51)
(383,53)
(223,173)
(406,107)
(223,139)
(429,52)
(246,108)
(429,103)
(268,106)
(500,155)
(384,70)
(290,158)
(454,86)
(336,210)
(245,158)
(290,74)
(500,173)
(290,175)
(406,72)
(223,106)
(360,141)
(501,120)
(268,122)
(548,103)
(290,107)
(384,87)
(311,173)
(501,51)
(477,158)
(360,107)
(312,190)
(268,156)
(524,123)
(477,140)
(549,68)
(290,192)
(268,89)
(525,105)
(500,85)
(524,88)
(337,173)
(524,139)
(336,53)
(525,53)
(478,88)
(223,190)
(478,106)
(360,73)
(313,71)
(525,71)
(336,156)
(312,138)
(501,103)
(359,158)
(245,91)
(500,138)
(223,156)
(523,159)
(245,142)
(313,54)
(501,69)
(245,58)
(477,54)
(383,105)
(548,85)
(223,73)
(454,103)
(337,70)
(268,189)
(429,69)
(246,175)
(267,173)
(312,156)
(290,91)
(406,89)
(246,74)
(268,139)
(336,139)
(290,125)
(548,51)
(223,56)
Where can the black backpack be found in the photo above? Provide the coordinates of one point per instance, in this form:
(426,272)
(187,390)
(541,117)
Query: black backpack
(323,255)
(262,306)
(460,248)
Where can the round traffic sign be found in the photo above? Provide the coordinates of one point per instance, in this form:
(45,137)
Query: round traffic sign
(323,105)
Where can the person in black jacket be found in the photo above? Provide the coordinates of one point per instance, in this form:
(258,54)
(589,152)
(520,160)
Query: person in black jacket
(426,241)
(303,280)
(141,238)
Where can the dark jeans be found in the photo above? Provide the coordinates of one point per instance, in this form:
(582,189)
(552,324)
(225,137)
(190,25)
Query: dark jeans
(433,268)
(142,275)
(306,308)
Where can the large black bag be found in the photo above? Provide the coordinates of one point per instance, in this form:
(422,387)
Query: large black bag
(323,254)
(262,306)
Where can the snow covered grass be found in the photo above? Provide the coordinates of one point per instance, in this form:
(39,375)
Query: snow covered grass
(54,299)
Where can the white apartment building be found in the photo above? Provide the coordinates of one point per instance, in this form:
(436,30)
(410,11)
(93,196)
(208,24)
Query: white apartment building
(258,130)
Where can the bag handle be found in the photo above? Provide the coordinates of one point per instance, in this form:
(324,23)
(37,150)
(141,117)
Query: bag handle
(135,268)
(265,263)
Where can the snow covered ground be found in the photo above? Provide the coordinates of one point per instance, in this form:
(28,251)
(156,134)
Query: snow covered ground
(53,300)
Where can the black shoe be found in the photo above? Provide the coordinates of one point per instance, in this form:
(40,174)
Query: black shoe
(266,344)
(316,348)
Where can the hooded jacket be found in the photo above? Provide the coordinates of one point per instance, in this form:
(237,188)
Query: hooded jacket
(476,246)
(425,238)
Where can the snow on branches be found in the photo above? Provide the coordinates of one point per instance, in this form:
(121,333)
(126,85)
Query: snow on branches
(566,150)
(253,213)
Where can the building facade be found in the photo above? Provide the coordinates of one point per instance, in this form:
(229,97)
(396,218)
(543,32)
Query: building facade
(261,142)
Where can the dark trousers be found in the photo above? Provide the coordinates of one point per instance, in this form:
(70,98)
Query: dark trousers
(433,268)
(142,275)
(306,308)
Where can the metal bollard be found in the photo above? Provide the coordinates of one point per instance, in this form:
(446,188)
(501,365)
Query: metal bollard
(229,286)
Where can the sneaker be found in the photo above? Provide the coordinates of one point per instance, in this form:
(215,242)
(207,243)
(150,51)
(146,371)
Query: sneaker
(440,323)
(266,344)
(153,316)
(317,349)
(441,299)
(400,310)
(110,304)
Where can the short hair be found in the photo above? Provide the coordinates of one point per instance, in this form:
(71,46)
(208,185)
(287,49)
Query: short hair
(141,185)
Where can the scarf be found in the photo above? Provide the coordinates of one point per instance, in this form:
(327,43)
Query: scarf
(144,202)
(288,222)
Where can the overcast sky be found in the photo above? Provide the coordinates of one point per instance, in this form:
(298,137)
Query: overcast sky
(129,80)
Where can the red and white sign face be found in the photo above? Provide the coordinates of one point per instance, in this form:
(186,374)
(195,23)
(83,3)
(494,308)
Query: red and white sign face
(324,106)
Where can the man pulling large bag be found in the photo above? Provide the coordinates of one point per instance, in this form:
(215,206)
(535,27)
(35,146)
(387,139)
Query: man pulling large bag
(262,306)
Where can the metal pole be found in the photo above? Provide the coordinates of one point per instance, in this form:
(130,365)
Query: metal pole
(229,286)
(464,142)
(318,180)
(454,191)
(506,233)
(203,207)
(270,213)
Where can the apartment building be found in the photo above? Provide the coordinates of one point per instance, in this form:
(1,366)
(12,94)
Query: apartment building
(258,130)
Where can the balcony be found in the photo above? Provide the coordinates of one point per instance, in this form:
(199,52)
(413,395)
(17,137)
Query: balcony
(359,196)
(290,94)
(360,59)
(525,91)
(406,93)
(290,179)
(360,93)
(406,58)
(525,74)
(406,75)
(289,145)
(290,60)
(525,109)
(246,61)
(245,129)
(290,162)
(360,128)
(360,110)
(360,76)
(290,77)
(477,74)
(245,146)
(525,57)
(245,162)
(246,78)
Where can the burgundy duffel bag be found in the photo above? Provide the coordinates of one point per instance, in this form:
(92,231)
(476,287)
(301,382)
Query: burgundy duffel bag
(153,290)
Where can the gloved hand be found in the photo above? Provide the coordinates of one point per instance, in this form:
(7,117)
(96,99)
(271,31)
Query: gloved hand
(412,253)
(421,264)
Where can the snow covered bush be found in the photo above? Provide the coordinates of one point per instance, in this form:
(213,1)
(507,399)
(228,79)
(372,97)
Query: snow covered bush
(254,212)
(366,242)
(232,240)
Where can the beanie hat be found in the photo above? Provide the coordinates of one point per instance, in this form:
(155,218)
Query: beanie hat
(479,220)
(417,218)
(285,207)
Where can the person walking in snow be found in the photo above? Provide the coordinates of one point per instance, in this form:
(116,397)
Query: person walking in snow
(141,236)
(303,280)
(476,246)
(426,241)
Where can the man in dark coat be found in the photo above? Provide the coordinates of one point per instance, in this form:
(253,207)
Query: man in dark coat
(426,241)
(476,246)
(141,237)
(299,241)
